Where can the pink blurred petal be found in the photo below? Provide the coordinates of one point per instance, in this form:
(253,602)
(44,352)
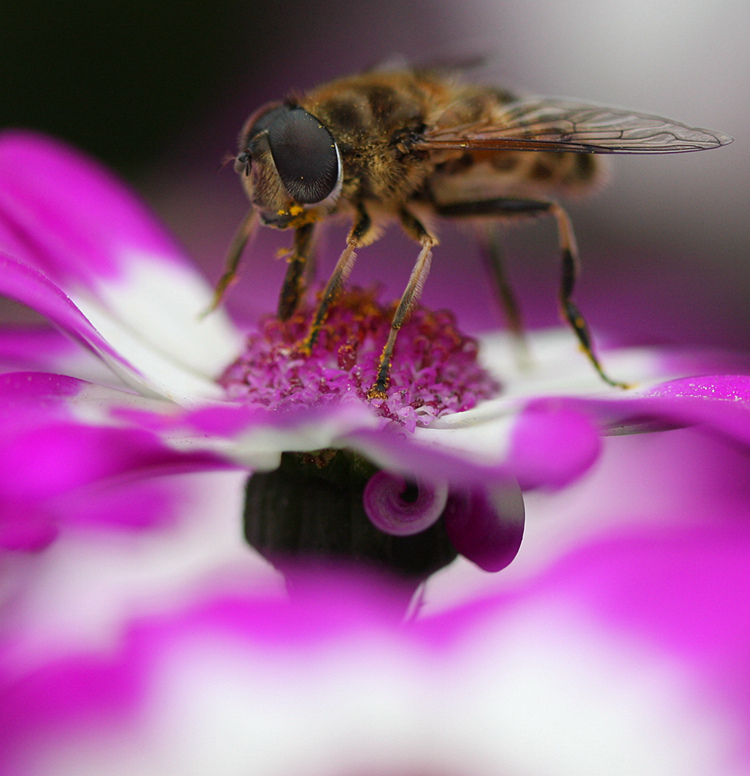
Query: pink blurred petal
(33,348)
(682,593)
(57,469)
(605,651)
(68,216)
(722,387)
(83,231)
(57,457)
(552,446)
(30,287)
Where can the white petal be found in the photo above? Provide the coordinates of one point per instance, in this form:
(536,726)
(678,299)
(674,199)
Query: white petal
(162,303)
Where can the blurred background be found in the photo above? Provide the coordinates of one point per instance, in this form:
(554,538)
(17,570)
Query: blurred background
(158,91)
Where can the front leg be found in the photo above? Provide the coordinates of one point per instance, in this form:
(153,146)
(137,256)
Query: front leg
(357,237)
(232,262)
(293,288)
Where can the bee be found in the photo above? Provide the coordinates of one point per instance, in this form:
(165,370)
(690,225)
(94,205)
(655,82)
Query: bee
(414,145)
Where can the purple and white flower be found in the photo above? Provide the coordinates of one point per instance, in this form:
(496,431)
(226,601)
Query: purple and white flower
(83,252)
(616,643)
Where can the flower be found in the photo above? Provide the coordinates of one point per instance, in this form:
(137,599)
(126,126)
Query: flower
(616,643)
(82,251)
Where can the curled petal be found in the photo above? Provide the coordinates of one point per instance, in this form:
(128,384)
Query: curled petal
(486,526)
(388,504)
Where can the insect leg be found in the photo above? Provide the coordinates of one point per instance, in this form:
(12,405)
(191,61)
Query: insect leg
(409,298)
(341,271)
(507,207)
(505,294)
(570,311)
(232,261)
(294,284)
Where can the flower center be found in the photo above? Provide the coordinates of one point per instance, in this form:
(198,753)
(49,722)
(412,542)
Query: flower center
(434,369)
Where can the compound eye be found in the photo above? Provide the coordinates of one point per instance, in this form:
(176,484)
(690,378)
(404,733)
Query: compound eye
(264,118)
(304,153)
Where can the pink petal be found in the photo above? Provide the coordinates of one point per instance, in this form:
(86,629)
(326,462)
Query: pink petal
(400,453)
(717,404)
(551,446)
(87,234)
(599,665)
(69,217)
(30,287)
(56,469)
(39,348)
(153,374)
(486,525)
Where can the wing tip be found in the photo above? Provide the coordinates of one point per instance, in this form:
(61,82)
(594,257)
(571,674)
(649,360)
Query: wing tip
(722,139)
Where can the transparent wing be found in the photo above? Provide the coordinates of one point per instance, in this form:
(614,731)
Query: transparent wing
(558,125)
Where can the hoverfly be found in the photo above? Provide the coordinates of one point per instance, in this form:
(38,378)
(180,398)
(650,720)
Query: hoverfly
(409,145)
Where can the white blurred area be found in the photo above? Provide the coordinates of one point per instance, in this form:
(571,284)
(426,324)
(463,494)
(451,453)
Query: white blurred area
(685,59)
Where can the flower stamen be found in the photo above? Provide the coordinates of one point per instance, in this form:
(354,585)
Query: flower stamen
(434,371)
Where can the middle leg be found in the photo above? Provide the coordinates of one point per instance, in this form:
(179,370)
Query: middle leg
(415,229)
(357,237)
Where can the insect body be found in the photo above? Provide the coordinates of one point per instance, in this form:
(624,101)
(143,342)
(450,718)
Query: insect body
(413,145)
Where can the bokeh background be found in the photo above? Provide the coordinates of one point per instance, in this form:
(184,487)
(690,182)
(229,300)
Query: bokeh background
(158,91)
